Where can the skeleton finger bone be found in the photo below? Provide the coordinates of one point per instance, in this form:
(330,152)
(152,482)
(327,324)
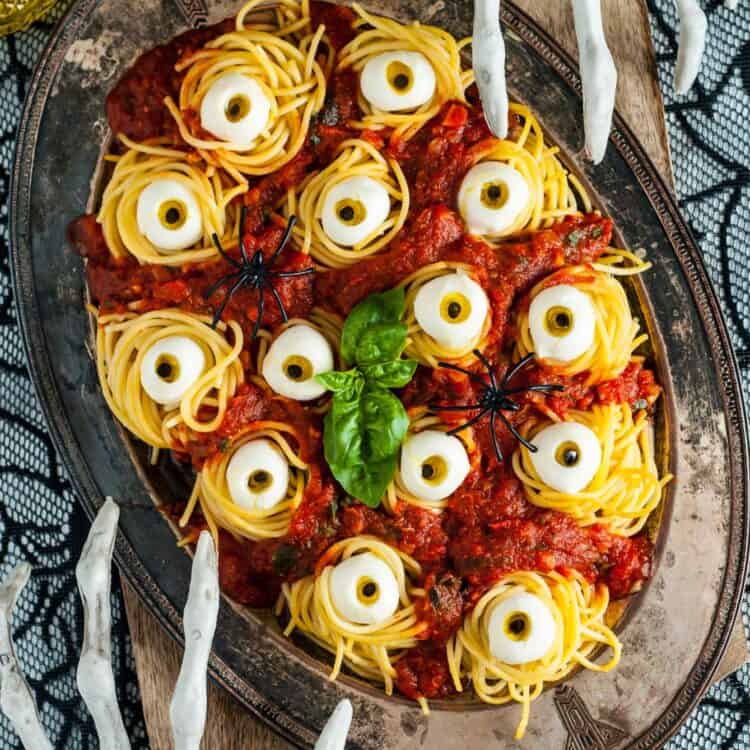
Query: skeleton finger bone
(187,711)
(693,26)
(16,699)
(96,681)
(333,736)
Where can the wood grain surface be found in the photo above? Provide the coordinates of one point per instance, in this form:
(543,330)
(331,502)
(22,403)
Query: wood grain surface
(231,727)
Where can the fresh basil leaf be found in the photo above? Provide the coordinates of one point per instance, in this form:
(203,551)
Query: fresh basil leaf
(348,383)
(381,343)
(367,481)
(343,434)
(384,421)
(395,374)
(375,309)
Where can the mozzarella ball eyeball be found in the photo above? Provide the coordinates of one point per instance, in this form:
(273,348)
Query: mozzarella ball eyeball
(433,464)
(452,310)
(521,629)
(562,322)
(235,109)
(398,81)
(168,215)
(169,367)
(258,475)
(568,456)
(354,209)
(491,197)
(364,589)
(294,359)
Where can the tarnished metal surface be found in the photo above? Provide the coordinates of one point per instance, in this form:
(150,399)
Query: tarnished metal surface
(675,632)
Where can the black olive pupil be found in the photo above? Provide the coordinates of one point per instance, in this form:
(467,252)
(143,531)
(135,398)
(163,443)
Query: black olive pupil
(562,320)
(427,471)
(172,216)
(401,81)
(454,310)
(369,589)
(347,213)
(493,192)
(517,626)
(570,457)
(294,372)
(234,109)
(164,370)
(260,477)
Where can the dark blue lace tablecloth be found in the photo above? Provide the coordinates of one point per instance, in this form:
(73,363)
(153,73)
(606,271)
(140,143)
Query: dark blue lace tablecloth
(41,522)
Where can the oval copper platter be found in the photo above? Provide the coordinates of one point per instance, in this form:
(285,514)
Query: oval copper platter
(674,632)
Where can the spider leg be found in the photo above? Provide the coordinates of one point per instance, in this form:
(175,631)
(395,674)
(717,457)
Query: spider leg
(258,314)
(243,249)
(471,422)
(285,238)
(220,283)
(228,258)
(493,434)
(220,309)
(510,374)
(291,274)
(552,387)
(487,366)
(517,435)
(280,304)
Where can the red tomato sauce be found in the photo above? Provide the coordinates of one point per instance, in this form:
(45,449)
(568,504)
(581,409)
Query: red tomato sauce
(489,528)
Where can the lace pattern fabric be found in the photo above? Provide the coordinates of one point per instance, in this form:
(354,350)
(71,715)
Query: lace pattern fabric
(712,171)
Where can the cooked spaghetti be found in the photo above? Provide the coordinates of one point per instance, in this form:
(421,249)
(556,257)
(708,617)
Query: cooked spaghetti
(122,342)
(616,331)
(355,158)
(440,48)
(439,304)
(578,609)
(420,345)
(289,76)
(626,486)
(367,650)
(142,165)
(211,491)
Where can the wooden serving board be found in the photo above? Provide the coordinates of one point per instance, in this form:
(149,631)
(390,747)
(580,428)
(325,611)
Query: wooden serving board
(231,727)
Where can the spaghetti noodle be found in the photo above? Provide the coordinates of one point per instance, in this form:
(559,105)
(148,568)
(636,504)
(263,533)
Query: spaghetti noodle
(287,72)
(438,46)
(626,486)
(616,334)
(122,342)
(578,609)
(354,158)
(140,166)
(368,650)
(211,490)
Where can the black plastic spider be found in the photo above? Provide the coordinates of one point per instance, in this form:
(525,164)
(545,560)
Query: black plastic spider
(494,399)
(256,273)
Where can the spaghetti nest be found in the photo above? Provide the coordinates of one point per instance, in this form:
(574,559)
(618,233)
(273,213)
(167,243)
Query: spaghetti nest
(438,46)
(139,167)
(285,69)
(420,345)
(420,420)
(616,334)
(354,158)
(211,489)
(626,486)
(578,609)
(369,651)
(554,192)
(122,342)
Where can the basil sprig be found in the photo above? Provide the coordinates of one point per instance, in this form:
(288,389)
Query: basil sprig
(366,423)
